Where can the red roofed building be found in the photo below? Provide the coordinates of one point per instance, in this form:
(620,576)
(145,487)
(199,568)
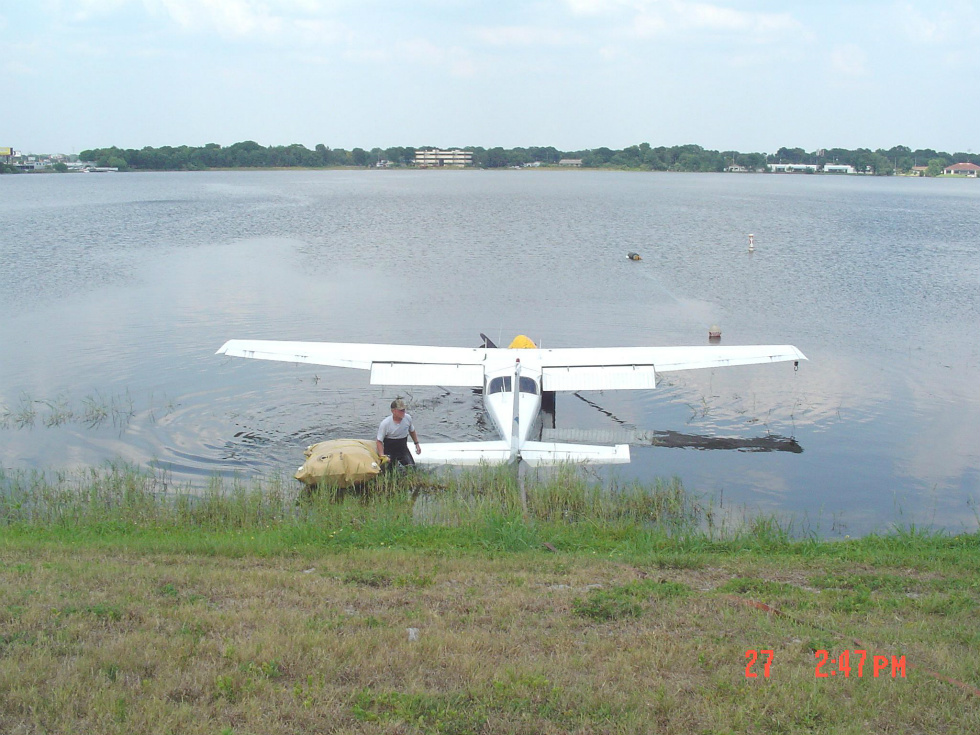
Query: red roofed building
(963,169)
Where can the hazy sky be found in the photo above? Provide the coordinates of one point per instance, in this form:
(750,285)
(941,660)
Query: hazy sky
(750,75)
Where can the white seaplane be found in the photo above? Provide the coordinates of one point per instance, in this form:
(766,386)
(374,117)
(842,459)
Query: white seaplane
(513,380)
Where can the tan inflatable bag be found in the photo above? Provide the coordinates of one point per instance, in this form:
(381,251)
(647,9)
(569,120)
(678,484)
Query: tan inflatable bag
(343,462)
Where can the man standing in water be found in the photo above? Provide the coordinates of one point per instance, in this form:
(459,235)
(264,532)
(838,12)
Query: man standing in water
(393,435)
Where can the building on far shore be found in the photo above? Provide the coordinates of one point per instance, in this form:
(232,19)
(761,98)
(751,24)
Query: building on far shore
(962,169)
(812,168)
(434,157)
(790,167)
(574,162)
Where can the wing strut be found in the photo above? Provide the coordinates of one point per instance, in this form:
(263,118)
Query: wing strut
(515,433)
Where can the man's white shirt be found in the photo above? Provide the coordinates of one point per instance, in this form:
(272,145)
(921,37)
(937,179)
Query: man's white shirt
(391,430)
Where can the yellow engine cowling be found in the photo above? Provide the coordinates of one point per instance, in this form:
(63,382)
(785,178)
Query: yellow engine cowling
(522,342)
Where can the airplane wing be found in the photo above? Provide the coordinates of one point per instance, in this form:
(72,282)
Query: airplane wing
(389,364)
(563,369)
(618,368)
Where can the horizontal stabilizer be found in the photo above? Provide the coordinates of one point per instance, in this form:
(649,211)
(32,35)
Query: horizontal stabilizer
(464,453)
(537,454)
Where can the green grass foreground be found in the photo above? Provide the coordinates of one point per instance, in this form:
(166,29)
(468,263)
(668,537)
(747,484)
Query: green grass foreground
(451,604)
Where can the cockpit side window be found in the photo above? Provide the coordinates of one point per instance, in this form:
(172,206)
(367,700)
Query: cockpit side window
(529,386)
(499,385)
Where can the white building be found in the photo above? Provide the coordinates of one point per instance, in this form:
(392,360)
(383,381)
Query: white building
(791,167)
(455,157)
(839,168)
(962,169)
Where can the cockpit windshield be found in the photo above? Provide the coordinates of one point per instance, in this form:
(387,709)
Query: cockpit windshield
(503,385)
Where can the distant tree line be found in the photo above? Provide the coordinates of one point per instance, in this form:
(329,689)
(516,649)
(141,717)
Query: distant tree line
(249,154)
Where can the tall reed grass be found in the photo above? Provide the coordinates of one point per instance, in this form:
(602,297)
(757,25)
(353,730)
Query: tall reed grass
(125,494)
(483,507)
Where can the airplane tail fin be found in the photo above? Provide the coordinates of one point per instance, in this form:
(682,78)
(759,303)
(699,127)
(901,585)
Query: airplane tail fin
(537,454)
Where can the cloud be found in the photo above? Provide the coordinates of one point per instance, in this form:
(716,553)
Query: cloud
(422,51)
(951,22)
(227,17)
(368,54)
(455,60)
(86,9)
(656,17)
(321,30)
(462,64)
(849,61)
(612,53)
(17,69)
(22,58)
(596,7)
(299,21)
(527,36)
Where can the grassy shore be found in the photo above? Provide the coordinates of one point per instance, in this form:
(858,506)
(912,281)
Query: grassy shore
(462,605)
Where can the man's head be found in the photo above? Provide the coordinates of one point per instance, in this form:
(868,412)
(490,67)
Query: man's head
(398,408)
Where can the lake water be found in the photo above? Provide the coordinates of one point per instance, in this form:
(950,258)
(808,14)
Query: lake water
(116,290)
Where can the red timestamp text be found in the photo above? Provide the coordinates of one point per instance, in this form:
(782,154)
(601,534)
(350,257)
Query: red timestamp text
(853,662)
(753,656)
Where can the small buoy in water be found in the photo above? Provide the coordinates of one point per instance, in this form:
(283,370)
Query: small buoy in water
(714,333)
(633,256)
(751,243)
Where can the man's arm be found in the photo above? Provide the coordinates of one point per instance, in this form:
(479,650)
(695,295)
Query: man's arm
(415,438)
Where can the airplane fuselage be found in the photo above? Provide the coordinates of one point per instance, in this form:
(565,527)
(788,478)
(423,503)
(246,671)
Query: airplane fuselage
(513,416)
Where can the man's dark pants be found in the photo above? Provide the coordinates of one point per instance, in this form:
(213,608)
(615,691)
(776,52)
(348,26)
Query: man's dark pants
(398,450)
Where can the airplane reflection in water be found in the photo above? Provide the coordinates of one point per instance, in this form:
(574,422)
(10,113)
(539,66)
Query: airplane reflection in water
(672,439)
